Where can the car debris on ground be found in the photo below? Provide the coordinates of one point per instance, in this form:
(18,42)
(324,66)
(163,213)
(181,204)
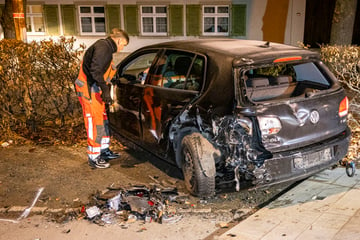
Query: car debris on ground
(138,203)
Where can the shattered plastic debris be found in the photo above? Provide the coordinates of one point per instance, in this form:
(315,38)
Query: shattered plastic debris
(131,218)
(134,204)
(108,218)
(171,218)
(114,202)
(223,225)
(92,212)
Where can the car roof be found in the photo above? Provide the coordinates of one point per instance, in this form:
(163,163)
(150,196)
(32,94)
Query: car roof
(240,50)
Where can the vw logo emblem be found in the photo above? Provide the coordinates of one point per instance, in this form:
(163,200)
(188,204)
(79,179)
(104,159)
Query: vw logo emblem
(314,117)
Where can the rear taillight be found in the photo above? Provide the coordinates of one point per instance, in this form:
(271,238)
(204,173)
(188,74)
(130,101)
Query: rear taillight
(269,125)
(344,107)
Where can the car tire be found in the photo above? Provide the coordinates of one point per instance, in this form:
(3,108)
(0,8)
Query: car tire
(198,165)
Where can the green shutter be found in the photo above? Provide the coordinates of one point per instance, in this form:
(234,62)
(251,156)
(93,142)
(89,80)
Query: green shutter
(131,19)
(68,19)
(112,17)
(238,20)
(176,20)
(51,19)
(193,14)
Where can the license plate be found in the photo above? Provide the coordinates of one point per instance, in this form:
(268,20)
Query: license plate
(312,159)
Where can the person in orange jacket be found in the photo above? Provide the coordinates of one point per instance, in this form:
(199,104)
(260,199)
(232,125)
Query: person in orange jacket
(92,87)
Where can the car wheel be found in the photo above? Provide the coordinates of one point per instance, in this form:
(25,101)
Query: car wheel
(198,165)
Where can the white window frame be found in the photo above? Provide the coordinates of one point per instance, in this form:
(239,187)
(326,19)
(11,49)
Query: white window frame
(31,16)
(92,15)
(154,15)
(215,15)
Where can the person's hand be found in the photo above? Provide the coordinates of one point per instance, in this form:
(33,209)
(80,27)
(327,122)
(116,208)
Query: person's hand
(106,98)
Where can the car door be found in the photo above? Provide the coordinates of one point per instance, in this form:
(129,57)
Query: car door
(124,114)
(172,83)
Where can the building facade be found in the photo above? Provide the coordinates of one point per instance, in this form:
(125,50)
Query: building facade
(150,21)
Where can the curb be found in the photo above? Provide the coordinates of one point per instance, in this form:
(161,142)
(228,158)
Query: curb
(37,210)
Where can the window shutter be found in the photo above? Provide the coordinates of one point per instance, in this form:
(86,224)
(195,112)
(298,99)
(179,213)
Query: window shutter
(2,6)
(193,15)
(51,17)
(176,20)
(131,19)
(238,20)
(68,19)
(112,17)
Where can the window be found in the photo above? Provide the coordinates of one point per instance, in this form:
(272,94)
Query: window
(92,20)
(284,81)
(34,19)
(154,20)
(178,70)
(136,70)
(216,20)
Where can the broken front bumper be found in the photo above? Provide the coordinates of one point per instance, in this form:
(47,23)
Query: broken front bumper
(301,163)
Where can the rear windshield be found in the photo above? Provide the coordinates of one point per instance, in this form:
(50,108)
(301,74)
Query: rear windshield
(284,81)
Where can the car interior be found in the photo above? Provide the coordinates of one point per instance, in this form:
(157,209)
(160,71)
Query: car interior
(175,73)
(284,81)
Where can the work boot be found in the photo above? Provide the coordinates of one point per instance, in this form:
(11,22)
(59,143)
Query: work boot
(107,154)
(98,162)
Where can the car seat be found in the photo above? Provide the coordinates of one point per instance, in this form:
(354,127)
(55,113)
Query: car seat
(182,65)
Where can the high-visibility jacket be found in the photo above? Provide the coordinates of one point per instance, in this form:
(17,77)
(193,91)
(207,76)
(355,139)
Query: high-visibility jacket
(96,71)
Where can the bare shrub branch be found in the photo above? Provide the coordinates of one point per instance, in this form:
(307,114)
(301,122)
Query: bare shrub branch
(344,62)
(36,86)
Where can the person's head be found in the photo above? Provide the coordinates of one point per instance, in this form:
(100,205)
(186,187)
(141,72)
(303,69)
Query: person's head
(120,37)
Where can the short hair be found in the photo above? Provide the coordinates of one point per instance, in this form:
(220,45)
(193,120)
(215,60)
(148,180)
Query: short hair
(119,33)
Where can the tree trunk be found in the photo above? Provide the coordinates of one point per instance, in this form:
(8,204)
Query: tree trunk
(19,19)
(343,22)
(7,21)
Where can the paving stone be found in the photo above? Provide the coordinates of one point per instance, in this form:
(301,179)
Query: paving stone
(286,230)
(325,206)
(328,176)
(314,233)
(347,181)
(348,204)
(331,220)
(256,226)
(350,230)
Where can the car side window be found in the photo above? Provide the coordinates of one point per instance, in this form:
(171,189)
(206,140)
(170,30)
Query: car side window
(157,71)
(178,70)
(136,70)
(195,80)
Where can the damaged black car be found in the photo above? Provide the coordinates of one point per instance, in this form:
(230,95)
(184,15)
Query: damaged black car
(230,111)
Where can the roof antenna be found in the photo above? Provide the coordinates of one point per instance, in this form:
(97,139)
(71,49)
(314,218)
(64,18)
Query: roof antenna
(266,45)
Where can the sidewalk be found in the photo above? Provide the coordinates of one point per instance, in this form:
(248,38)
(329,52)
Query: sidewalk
(325,206)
